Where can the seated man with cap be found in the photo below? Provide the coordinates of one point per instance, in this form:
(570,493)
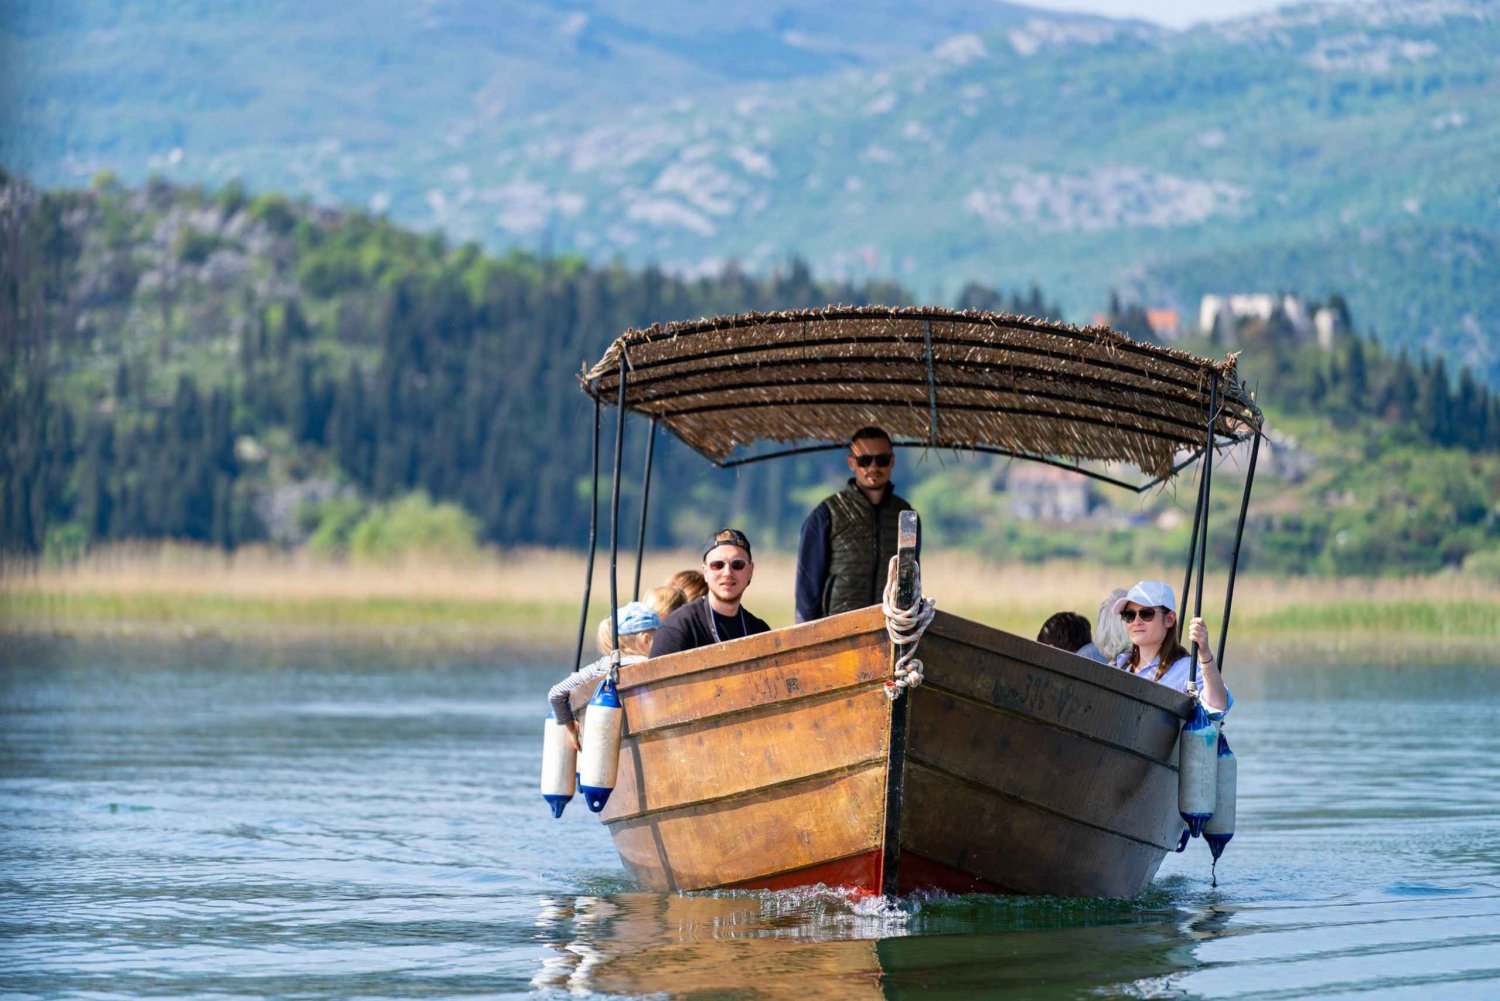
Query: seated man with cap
(718,615)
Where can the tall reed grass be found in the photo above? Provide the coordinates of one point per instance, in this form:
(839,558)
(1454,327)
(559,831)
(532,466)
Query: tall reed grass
(533,595)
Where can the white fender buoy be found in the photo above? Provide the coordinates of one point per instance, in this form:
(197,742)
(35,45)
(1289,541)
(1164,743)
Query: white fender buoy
(1220,827)
(599,761)
(559,766)
(1197,770)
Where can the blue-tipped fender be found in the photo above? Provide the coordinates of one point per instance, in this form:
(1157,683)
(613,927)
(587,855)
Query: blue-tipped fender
(559,766)
(599,761)
(1197,770)
(1220,827)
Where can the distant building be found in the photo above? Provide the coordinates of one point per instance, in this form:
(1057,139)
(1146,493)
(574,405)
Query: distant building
(1046,493)
(1296,317)
(1164,323)
(1326,323)
(1220,315)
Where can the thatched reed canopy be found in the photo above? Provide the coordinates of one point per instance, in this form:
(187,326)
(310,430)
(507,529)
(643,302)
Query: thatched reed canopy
(962,380)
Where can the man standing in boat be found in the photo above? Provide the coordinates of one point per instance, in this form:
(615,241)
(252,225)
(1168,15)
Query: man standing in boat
(849,539)
(718,615)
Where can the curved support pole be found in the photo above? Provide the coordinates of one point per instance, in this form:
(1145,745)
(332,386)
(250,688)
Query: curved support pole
(640,541)
(1208,475)
(1198,506)
(1234,559)
(614,514)
(588,574)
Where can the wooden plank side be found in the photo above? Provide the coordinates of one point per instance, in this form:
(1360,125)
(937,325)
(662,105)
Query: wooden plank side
(1053,697)
(865,621)
(809,670)
(1057,662)
(723,756)
(981,832)
(755,835)
(1057,770)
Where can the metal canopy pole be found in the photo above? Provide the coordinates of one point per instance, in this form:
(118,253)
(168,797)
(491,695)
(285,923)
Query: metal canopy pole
(1234,559)
(984,450)
(614,515)
(1187,579)
(588,577)
(640,541)
(1208,474)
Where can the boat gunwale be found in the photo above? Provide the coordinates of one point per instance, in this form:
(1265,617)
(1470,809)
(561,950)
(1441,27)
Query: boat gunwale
(716,656)
(949,625)
(952,628)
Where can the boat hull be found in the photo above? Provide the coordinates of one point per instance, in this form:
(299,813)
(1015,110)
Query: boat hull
(776,760)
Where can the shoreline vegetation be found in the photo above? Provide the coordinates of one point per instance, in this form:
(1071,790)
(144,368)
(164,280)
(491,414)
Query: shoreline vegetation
(530,598)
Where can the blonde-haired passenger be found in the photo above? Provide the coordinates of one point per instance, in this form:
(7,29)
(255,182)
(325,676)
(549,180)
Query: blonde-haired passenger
(1110,638)
(637,625)
(665,600)
(690,583)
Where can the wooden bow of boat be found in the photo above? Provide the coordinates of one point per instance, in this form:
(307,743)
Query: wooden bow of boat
(776,760)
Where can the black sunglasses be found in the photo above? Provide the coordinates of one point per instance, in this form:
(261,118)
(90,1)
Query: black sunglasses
(882,460)
(1146,614)
(717,565)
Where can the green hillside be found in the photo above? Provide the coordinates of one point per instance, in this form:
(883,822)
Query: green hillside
(228,368)
(1324,147)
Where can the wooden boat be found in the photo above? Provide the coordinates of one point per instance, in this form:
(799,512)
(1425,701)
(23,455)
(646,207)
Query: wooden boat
(777,760)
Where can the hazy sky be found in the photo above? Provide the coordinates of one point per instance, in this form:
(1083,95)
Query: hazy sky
(1172,13)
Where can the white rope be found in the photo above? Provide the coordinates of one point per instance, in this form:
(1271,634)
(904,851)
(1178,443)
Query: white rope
(905,627)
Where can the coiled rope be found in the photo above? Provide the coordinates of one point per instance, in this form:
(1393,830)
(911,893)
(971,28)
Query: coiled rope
(905,627)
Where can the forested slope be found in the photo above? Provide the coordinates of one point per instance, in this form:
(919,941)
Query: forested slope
(228,368)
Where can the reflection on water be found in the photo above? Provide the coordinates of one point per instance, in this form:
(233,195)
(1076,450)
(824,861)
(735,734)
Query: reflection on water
(205,820)
(820,943)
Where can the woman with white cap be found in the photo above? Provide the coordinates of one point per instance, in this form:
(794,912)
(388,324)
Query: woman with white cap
(1156,651)
(637,624)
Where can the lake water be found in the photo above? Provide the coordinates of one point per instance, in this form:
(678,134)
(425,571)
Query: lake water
(229,821)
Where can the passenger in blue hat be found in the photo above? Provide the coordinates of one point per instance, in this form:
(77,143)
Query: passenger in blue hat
(1156,652)
(637,625)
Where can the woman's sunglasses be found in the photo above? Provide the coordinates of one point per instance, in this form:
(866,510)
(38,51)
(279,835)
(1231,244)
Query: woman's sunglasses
(1145,614)
(882,460)
(718,565)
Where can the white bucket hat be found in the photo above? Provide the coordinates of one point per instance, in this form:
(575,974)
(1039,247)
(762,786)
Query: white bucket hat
(1148,594)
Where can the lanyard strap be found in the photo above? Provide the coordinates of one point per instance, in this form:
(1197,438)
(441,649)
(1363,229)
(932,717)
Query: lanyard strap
(713,624)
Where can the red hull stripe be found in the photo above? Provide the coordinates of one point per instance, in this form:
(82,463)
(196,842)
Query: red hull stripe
(915,872)
(860,873)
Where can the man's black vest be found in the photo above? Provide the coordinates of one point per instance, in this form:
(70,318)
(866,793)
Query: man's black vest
(862,538)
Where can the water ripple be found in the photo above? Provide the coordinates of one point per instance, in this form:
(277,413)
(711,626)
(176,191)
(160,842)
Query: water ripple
(172,823)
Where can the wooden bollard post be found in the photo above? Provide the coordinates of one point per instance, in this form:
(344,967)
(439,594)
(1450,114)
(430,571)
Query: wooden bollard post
(906,581)
(906,559)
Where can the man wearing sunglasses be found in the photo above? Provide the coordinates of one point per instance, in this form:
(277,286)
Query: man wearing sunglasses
(850,537)
(718,615)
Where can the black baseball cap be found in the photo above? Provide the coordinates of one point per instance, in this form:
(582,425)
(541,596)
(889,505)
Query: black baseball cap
(727,537)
